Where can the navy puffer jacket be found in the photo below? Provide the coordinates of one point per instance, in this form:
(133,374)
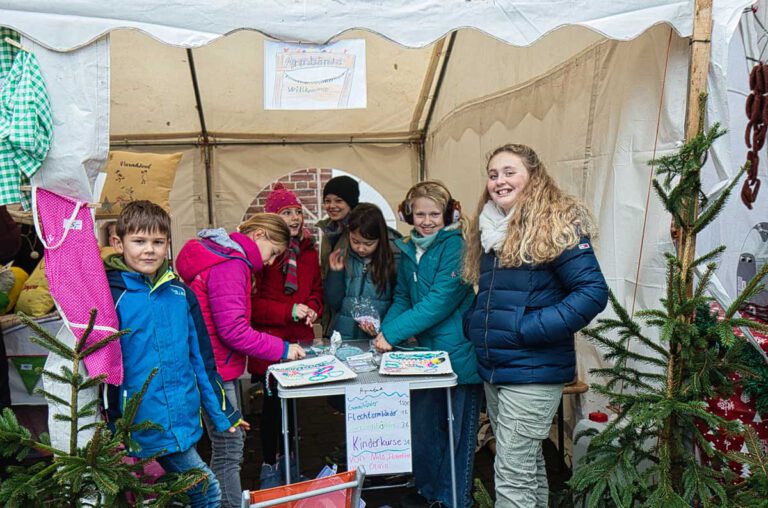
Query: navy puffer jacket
(523,319)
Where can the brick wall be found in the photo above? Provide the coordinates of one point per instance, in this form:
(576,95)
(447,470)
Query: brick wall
(308,185)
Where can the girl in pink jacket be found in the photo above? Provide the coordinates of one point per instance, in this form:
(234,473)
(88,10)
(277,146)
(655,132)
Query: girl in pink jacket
(219,269)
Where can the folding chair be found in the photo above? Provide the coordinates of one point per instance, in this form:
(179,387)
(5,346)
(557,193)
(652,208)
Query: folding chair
(336,491)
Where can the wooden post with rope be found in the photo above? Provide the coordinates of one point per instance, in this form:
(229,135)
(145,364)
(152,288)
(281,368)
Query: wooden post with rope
(694,113)
(686,241)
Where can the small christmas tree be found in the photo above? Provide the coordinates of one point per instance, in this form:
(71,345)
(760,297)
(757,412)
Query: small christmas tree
(645,457)
(98,474)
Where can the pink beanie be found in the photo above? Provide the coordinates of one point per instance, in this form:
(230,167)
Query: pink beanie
(280,198)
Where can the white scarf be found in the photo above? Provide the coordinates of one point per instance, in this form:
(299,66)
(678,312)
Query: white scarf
(493,226)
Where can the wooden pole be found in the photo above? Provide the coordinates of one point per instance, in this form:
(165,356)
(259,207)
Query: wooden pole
(699,66)
(694,113)
(686,244)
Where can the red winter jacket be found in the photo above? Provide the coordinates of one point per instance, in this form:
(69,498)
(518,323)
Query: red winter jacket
(220,276)
(272,307)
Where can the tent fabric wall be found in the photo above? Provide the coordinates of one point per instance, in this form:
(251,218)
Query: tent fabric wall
(593,120)
(242,171)
(154,79)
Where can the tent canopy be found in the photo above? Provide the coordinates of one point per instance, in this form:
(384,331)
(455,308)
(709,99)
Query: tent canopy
(64,26)
(597,88)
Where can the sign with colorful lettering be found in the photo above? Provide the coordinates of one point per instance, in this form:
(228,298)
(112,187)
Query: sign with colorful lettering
(312,76)
(378,419)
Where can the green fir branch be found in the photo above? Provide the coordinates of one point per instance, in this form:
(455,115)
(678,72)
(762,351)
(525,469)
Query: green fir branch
(713,210)
(753,287)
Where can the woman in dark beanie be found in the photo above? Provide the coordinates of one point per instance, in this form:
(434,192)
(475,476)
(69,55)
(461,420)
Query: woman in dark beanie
(340,195)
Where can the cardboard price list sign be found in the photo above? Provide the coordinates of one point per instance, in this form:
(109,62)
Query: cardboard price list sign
(379,428)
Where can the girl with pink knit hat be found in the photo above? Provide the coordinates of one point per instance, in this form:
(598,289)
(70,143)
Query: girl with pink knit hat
(287,301)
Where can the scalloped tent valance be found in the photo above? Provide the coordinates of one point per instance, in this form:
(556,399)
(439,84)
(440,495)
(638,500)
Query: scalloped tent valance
(64,26)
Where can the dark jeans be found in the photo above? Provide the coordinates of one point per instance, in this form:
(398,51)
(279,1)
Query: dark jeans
(429,431)
(271,422)
(200,497)
(227,453)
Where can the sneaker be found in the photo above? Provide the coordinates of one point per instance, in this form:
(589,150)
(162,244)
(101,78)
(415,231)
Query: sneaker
(414,500)
(269,477)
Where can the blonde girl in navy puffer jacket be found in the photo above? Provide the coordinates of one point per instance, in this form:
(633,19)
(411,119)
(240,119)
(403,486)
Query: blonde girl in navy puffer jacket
(529,250)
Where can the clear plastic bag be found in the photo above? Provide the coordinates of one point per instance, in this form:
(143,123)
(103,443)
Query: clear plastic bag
(364,313)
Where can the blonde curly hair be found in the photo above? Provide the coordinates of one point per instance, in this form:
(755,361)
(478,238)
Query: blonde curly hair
(545,221)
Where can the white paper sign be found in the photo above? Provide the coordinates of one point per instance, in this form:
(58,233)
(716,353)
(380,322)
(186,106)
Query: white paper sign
(312,76)
(379,428)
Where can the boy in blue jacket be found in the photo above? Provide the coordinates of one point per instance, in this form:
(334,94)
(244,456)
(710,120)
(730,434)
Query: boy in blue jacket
(167,333)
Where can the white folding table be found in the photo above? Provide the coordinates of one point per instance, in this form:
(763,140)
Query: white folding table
(446,381)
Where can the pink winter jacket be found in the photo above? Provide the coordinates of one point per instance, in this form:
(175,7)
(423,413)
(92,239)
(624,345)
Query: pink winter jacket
(220,276)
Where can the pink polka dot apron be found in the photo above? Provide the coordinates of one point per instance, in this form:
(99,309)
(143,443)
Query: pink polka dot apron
(76,276)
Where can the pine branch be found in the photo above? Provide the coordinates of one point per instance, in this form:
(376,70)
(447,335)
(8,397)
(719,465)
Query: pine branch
(51,397)
(714,209)
(711,256)
(54,345)
(103,342)
(750,290)
(56,377)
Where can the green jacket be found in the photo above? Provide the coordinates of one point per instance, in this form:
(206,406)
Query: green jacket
(342,242)
(430,300)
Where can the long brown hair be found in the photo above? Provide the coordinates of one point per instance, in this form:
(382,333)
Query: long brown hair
(545,221)
(369,222)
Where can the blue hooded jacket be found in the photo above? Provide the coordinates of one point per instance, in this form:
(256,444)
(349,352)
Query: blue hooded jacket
(164,322)
(523,319)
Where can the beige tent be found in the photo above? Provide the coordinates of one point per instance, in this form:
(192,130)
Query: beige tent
(597,88)
(589,105)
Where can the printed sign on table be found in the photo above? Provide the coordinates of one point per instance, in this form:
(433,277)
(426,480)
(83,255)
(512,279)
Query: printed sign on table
(415,363)
(312,371)
(378,421)
(312,76)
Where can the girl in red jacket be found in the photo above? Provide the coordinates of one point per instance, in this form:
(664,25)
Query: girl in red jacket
(287,300)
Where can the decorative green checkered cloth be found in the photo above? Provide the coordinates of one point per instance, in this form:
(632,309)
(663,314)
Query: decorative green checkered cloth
(7,52)
(25,121)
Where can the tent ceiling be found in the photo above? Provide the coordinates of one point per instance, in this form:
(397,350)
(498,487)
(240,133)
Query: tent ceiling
(152,91)
(153,99)
(415,23)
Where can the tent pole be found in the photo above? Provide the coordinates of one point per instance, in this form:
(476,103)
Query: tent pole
(430,112)
(699,66)
(697,88)
(205,143)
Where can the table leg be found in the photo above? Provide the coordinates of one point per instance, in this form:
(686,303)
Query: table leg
(451,447)
(284,408)
(294,402)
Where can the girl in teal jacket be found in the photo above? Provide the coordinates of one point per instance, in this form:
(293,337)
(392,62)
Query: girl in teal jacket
(430,299)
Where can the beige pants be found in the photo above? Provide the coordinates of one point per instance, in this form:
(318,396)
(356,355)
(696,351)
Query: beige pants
(521,416)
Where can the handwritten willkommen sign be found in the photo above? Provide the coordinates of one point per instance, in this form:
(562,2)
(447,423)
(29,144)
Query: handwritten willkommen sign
(311,76)
(379,428)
